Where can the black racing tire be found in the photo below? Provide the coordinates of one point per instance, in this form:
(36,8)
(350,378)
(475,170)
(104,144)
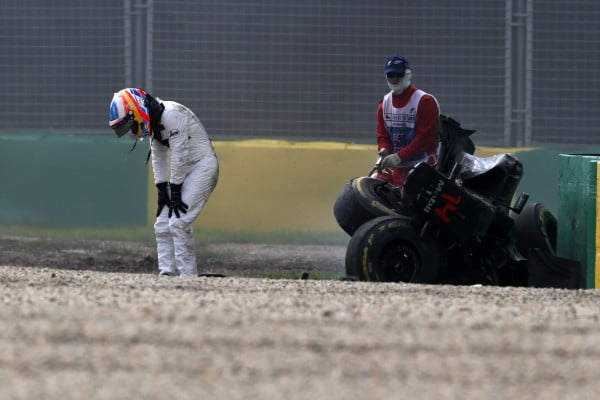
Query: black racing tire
(363,199)
(536,228)
(389,249)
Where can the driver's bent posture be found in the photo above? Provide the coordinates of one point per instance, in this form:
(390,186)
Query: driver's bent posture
(407,124)
(184,180)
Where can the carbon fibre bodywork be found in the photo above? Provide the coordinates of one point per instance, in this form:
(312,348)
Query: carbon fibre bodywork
(462,210)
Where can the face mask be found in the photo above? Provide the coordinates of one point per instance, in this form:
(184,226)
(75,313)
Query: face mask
(402,83)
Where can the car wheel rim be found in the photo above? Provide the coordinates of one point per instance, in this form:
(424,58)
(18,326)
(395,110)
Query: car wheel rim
(400,263)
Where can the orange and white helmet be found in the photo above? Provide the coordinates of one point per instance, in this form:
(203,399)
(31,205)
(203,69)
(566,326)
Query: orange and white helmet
(129,111)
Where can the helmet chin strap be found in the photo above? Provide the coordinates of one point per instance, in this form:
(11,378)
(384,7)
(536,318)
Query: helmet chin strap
(134,144)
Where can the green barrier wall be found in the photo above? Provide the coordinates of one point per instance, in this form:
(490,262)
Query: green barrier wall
(271,186)
(540,172)
(578,214)
(71,181)
(264,185)
(267,185)
(540,176)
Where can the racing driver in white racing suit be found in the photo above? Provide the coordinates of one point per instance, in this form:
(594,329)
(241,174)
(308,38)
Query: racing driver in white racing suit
(184,182)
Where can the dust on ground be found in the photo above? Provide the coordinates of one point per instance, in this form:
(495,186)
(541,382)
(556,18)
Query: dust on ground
(229,259)
(98,323)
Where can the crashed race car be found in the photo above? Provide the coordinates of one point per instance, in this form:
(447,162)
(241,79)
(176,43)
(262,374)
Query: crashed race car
(452,223)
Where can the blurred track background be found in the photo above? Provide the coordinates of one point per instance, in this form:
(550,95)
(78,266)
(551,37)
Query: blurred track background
(523,73)
(288,91)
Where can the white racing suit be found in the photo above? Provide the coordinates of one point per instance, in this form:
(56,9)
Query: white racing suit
(193,164)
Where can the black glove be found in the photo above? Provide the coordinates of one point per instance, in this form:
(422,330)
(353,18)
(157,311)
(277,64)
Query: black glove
(176,203)
(163,197)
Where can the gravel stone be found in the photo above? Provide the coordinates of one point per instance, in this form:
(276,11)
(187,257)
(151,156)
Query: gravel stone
(76,329)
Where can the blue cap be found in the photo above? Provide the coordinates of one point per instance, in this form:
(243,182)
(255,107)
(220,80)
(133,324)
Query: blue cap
(396,64)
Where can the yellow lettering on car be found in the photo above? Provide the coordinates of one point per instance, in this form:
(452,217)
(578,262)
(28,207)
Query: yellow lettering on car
(359,187)
(381,207)
(365,263)
(542,219)
(374,203)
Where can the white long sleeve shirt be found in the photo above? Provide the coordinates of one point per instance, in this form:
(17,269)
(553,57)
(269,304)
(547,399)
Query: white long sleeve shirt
(188,144)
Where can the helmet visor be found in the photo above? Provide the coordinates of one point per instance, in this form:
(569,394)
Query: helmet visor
(121,128)
(124,126)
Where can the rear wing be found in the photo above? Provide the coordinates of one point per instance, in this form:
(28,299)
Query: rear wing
(454,140)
